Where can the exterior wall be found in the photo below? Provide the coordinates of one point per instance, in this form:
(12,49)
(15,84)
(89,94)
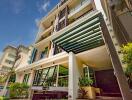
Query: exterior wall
(126,20)
(24,58)
(4,65)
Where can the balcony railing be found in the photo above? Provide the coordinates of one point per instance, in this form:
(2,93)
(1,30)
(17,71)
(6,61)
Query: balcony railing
(82,3)
(47,30)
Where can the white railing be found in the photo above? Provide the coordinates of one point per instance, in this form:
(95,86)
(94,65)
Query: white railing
(83,2)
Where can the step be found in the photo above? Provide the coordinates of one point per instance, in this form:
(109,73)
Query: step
(108,98)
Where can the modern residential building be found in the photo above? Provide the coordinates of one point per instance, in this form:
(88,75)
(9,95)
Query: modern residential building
(11,55)
(79,38)
(8,59)
(24,59)
(19,56)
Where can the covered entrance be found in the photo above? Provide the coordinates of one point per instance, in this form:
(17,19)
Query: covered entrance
(98,66)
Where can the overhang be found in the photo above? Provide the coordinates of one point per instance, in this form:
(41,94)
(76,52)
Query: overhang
(83,36)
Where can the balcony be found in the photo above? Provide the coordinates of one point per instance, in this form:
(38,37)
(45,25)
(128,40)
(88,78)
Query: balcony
(45,32)
(82,7)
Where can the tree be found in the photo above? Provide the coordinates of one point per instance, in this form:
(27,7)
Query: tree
(127,59)
(10,73)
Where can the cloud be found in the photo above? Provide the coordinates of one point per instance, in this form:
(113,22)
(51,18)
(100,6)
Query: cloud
(37,20)
(17,6)
(43,6)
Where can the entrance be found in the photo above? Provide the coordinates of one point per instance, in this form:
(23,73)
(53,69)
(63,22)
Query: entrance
(106,80)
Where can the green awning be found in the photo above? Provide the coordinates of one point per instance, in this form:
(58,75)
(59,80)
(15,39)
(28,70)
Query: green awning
(81,37)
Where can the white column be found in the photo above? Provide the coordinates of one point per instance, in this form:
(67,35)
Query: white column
(17,77)
(51,51)
(99,7)
(74,74)
(31,77)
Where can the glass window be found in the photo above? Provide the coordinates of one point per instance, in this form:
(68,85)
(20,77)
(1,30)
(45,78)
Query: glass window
(63,76)
(26,78)
(44,74)
(89,72)
(57,49)
(48,77)
(6,68)
(37,77)
(44,53)
(51,77)
(45,77)
(61,24)
(12,55)
(12,78)
(9,61)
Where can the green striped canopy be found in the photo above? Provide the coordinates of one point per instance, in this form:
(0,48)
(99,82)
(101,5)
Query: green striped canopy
(83,36)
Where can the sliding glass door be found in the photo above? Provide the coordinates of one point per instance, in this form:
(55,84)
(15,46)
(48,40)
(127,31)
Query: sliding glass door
(52,76)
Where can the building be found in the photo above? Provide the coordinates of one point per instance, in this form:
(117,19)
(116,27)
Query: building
(8,59)
(77,38)
(11,56)
(16,57)
(24,59)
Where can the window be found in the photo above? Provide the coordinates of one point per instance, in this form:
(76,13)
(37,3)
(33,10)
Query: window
(62,13)
(57,49)
(34,55)
(61,25)
(63,76)
(44,53)
(11,55)
(89,72)
(37,77)
(45,77)
(9,62)
(48,77)
(6,68)
(12,78)
(26,78)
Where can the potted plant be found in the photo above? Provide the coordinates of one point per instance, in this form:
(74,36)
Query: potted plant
(86,84)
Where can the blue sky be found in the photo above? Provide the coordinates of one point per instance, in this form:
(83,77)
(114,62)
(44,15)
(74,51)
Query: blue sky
(18,20)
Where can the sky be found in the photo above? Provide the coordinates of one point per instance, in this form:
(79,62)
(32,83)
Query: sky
(18,20)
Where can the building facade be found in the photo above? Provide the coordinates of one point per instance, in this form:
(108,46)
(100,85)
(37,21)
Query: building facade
(78,38)
(8,59)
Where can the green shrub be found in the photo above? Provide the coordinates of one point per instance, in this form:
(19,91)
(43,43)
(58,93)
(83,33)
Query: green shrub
(4,98)
(19,90)
(85,81)
(127,59)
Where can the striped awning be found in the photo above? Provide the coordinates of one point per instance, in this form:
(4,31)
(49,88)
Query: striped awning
(83,36)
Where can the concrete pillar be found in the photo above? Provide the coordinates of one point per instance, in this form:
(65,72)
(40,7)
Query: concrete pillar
(75,71)
(19,77)
(51,51)
(31,77)
(30,82)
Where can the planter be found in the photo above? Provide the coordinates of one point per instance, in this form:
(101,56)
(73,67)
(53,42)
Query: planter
(91,93)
